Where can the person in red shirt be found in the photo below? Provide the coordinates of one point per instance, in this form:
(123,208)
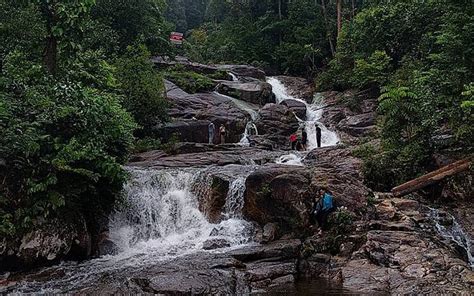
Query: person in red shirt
(293,141)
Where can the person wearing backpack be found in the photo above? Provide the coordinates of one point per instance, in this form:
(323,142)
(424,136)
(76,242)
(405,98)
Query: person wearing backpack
(323,207)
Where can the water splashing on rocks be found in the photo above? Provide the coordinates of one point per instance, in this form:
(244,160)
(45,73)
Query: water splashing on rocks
(314,112)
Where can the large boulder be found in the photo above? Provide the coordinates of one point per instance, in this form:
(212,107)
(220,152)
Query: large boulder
(191,114)
(255,92)
(243,71)
(277,122)
(279,194)
(296,107)
(166,62)
(359,125)
(298,87)
(338,170)
(46,244)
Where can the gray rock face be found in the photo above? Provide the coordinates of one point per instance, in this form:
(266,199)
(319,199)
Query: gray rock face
(164,62)
(243,71)
(46,244)
(255,92)
(359,125)
(229,154)
(279,194)
(351,124)
(276,122)
(337,169)
(296,107)
(298,87)
(192,113)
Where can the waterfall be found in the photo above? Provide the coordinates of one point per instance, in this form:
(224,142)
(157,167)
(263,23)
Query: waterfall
(454,232)
(250,130)
(161,213)
(314,112)
(290,159)
(235,198)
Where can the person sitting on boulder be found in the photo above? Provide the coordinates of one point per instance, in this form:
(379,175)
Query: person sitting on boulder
(323,206)
(293,141)
(222,132)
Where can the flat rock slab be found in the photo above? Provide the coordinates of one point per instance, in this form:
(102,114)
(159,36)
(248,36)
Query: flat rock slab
(255,92)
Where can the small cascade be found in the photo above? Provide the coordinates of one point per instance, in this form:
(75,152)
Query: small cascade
(450,229)
(250,130)
(290,159)
(235,198)
(234,77)
(314,113)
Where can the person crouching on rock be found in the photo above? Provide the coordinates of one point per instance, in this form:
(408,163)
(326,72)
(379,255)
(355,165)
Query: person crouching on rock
(222,132)
(293,141)
(323,206)
(211,129)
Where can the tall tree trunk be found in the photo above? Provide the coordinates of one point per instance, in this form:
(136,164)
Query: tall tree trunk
(328,30)
(353,8)
(50,53)
(280,37)
(339,16)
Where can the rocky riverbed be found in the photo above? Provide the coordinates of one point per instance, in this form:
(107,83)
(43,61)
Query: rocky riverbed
(235,219)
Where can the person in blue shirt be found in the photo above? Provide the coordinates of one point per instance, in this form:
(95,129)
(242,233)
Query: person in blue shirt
(323,206)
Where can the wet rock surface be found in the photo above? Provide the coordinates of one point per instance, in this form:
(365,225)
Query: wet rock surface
(276,122)
(296,107)
(255,92)
(403,256)
(351,113)
(298,87)
(243,71)
(192,113)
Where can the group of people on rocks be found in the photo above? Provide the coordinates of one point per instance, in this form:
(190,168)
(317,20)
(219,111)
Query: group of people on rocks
(301,143)
(222,133)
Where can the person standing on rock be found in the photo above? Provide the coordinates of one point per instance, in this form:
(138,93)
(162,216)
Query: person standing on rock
(304,140)
(211,129)
(293,141)
(318,135)
(222,132)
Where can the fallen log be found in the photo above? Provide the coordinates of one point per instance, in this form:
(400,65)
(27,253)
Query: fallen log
(431,178)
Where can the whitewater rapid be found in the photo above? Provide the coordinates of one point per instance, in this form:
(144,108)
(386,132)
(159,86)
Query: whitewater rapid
(314,113)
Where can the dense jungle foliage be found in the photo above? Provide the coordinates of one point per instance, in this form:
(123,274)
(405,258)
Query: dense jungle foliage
(76,84)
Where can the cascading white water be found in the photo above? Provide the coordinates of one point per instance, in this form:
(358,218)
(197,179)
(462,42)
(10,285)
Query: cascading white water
(252,110)
(250,129)
(314,112)
(290,159)
(158,221)
(235,198)
(162,214)
(234,77)
(454,232)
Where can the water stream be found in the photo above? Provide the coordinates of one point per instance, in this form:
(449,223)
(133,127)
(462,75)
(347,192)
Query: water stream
(159,220)
(314,113)
(449,228)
